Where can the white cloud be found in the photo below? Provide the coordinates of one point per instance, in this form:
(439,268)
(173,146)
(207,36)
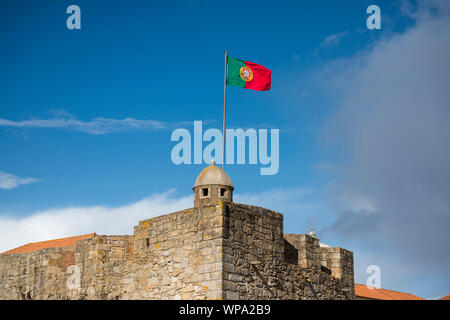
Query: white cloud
(333,39)
(65,222)
(96,126)
(10,181)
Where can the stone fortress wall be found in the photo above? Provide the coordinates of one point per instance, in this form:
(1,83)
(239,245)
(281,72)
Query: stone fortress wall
(221,250)
(216,250)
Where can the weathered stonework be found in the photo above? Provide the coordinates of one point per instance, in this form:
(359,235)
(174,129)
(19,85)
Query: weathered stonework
(220,250)
(262,263)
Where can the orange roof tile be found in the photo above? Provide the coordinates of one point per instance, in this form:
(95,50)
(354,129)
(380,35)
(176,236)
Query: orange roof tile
(382,294)
(447,297)
(64,242)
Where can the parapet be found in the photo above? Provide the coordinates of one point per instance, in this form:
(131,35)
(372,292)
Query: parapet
(311,254)
(340,262)
(308,249)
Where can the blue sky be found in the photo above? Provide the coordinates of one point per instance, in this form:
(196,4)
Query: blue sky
(86,117)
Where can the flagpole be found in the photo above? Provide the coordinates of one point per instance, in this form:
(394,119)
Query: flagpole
(224,96)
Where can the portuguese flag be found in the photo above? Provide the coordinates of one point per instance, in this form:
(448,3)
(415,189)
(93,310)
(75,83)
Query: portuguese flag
(248,75)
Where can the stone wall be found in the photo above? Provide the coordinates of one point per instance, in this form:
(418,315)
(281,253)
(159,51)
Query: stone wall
(104,264)
(218,251)
(88,270)
(174,256)
(180,255)
(35,275)
(340,262)
(334,260)
(262,263)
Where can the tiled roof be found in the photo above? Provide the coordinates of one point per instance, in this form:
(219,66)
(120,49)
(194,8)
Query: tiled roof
(447,297)
(64,242)
(382,294)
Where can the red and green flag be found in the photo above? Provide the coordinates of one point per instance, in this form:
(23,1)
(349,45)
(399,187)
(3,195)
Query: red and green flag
(248,75)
